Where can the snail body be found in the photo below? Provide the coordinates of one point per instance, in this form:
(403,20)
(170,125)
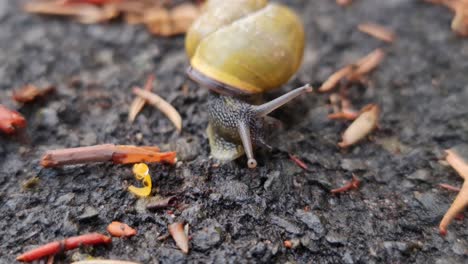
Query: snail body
(238,49)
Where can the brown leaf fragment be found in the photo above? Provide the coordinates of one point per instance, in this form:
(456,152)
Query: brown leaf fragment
(170,201)
(364,124)
(29,93)
(457,160)
(460,20)
(455,157)
(458,205)
(335,79)
(165,107)
(344,2)
(85,13)
(138,103)
(180,237)
(164,22)
(367,64)
(377,31)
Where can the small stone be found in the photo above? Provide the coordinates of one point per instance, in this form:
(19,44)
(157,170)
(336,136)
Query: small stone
(311,220)
(312,245)
(335,238)
(347,258)
(422,175)
(65,199)
(88,214)
(286,225)
(395,245)
(187,148)
(353,164)
(48,117)
(235,191)
(207,238)
(460,247)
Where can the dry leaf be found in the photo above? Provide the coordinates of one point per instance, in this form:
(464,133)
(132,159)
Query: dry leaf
(377,31)
(138,103)
(180,237)
(29,93)
(362,126)
(162,105)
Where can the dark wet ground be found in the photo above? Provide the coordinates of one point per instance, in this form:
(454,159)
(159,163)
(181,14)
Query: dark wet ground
(235,214)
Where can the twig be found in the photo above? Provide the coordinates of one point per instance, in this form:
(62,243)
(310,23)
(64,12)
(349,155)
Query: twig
(119,154)
(351,185)
(64,245)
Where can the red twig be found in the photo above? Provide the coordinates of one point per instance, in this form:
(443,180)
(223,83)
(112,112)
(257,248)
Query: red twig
(351,185)
(449,187)
(298,162)
(55,247)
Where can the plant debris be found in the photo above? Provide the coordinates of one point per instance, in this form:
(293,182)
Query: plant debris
(118,154)
(141,172)
(180,237)
(118,229)
(104,261)
(355,72)
(364,124)
(29,93)
(344,2)
(377,31)
(460,164)
(351,185)
(449,187)
(159,19)
(170,201)
(298,161)
(55,247)
(10,121)
(138,103)
(165,107)
(460,20)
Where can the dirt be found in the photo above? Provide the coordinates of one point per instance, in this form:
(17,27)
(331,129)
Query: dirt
(235,214)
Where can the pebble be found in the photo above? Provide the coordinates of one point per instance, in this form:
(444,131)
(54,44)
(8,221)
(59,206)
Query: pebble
(286,225)
(88,214)
(353,164)
(335,238)
(311,220)
(207,238)
(235,191)
(421,174)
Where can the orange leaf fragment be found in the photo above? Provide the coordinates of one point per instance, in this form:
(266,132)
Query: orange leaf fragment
(164,22)
(10,120)
(377,31)
(364,124)
(367,64)
(118,229)
(29,93)
(457,161)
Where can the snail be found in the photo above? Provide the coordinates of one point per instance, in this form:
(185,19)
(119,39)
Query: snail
(239,49)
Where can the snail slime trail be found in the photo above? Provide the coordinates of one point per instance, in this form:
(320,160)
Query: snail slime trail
(235,62)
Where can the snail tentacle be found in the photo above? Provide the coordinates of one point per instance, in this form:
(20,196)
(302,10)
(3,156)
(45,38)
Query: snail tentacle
(266,108)
(244,133)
